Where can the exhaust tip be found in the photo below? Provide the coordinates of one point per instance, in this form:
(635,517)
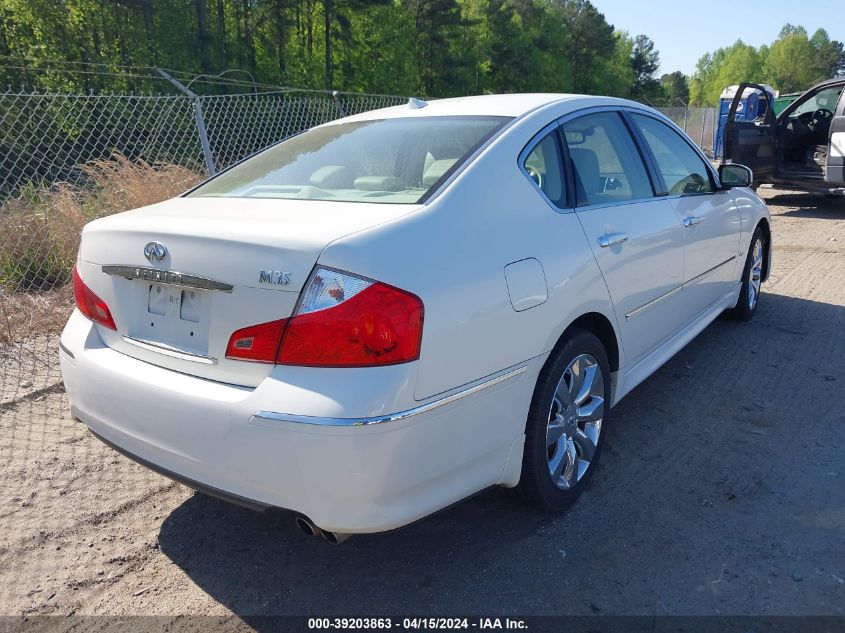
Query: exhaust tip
(307,528)
(334,538)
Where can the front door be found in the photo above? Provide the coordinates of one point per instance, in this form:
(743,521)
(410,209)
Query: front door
(834,172)
(708,213)
(636,238)
(752,143)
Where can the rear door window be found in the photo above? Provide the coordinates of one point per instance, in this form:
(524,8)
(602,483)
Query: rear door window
(607,164)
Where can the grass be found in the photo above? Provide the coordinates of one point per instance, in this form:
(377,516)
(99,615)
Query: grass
(40,229)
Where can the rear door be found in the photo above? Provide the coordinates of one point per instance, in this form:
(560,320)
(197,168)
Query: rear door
(637,239)
(834,172)
(752,143)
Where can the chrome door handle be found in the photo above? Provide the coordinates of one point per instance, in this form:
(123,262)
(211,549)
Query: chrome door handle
(692,221)
(613,238)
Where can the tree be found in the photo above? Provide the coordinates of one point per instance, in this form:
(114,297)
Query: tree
(587,40)
(675,88)
(645,61)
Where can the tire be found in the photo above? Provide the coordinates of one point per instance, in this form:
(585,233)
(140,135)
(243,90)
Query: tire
(580,427)
(749,294)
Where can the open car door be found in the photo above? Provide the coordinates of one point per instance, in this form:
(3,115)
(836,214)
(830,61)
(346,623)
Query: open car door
(752,143)
(834,172)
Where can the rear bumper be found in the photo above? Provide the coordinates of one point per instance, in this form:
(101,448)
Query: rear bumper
(346,477)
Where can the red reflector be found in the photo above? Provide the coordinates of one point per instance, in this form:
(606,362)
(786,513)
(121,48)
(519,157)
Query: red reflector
(380,325)
(259,343)
(90,304)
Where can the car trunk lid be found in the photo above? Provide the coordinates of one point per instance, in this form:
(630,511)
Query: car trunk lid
(224,264)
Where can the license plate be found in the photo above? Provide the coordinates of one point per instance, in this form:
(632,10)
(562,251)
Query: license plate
(175,303)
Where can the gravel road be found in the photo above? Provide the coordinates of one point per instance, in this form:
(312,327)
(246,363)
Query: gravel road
(721,491)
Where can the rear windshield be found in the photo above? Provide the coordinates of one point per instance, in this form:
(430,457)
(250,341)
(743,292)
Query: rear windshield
(386,160)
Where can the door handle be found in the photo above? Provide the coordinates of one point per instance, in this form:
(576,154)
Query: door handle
(692,221)
(613,238)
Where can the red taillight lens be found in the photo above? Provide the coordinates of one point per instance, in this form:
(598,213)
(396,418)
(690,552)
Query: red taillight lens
(371,324)
(259,343)
(342,321)
(90,304)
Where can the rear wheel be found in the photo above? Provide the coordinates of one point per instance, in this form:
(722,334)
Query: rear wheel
(752,280)
(564,431)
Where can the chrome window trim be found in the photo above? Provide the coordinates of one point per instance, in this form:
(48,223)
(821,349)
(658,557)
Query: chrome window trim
(160,348)
(389,417)
(538,138)
(169,277)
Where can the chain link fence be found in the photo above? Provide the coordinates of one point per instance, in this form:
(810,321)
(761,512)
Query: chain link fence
(698,123)
(66,159)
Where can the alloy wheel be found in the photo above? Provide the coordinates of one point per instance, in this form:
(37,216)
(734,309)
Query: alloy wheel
(575,418)
(755,274)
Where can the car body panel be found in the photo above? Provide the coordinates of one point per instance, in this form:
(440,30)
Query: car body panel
(369,449)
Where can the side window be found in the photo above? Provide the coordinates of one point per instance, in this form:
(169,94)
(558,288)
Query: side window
(683,170)
(544,166)
(608,167)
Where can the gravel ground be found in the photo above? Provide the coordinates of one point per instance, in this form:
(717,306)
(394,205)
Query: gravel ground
(721,491)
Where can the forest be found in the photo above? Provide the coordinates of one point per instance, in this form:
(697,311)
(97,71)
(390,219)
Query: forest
(431,48)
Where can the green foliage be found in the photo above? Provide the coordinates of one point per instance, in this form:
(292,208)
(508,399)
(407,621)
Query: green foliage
(431,48)
(793,62)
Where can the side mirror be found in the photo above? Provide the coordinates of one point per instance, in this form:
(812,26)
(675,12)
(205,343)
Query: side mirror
(735,175)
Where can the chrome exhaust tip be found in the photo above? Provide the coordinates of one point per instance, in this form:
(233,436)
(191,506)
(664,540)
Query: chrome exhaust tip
(334,538)
(308,528)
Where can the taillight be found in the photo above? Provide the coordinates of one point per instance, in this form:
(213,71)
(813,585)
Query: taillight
(90,304)
(342,320)
(347,321)
(258,343)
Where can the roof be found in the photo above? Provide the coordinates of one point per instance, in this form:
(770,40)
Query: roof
(509,105)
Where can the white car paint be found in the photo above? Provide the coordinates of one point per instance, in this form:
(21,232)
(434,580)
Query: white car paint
(501,273)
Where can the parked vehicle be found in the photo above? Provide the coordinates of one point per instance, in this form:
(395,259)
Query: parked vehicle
(375,319)
(801,148)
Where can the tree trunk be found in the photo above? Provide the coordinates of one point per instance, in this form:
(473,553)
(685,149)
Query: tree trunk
(204,36)
(280,38)
(327,12)
(248,37)
(221,30)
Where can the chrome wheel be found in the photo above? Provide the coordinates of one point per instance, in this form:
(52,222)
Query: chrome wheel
(755,274)
(575,418)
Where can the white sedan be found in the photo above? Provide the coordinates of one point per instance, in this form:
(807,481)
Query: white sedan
(383,315)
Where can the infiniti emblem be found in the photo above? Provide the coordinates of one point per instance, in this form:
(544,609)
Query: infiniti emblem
(155,252)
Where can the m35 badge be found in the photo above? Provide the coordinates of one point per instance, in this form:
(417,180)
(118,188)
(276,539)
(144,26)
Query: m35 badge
(273,277)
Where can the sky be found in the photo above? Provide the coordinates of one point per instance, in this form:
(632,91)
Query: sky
(684,31)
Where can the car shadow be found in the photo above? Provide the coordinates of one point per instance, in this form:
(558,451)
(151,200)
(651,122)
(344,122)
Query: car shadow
(647,525)
(809,205)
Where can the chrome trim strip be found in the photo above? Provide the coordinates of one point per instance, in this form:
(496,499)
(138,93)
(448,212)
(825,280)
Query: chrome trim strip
(167,277)
(66,350)
(686,284)
(651,303)
(161,348)
(708,272)
(389,417)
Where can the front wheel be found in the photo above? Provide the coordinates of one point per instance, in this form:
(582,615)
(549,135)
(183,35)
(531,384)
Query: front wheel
(566,419)
(752,280)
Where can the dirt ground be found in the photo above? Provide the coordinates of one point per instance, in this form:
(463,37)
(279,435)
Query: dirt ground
(721,491)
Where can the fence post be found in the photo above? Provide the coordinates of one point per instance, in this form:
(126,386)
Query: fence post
(336,99)
(203,133)
(686,109)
